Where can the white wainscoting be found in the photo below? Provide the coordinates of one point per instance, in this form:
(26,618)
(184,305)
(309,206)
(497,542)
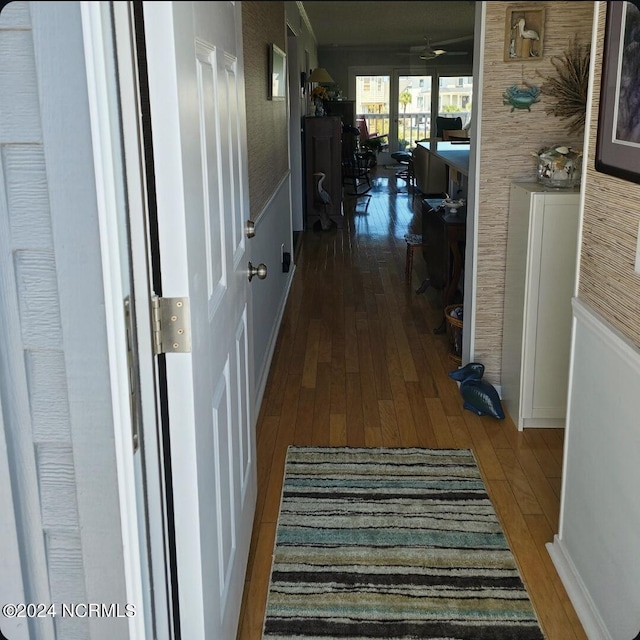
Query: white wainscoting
(597,551)
(269,296)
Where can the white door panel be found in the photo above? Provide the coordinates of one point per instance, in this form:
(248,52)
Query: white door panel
(244,410)
(213,212)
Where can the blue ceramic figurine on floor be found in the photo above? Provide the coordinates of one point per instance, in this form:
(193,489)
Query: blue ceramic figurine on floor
(479,396)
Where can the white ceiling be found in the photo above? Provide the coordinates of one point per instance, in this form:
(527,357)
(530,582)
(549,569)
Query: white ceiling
(389,24)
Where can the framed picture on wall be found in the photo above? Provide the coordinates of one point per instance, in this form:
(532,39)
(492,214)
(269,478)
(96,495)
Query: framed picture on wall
(618,138)
(277,73)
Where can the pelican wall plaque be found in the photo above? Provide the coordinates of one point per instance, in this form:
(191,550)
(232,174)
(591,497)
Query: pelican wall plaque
(524,33)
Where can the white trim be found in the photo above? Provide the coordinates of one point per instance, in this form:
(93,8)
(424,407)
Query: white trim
(585,163)
(585,143)
(266,215)
(471,251)
(580,599)
(627,354)
(95,26)
(305,19)
(276,192)
(567,431)
(261,381)
(153,473)
(607,333)
(296,109)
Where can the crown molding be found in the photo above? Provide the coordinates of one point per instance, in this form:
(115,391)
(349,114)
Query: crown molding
(305,18)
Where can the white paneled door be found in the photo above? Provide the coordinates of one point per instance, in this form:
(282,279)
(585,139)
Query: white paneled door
(196,96)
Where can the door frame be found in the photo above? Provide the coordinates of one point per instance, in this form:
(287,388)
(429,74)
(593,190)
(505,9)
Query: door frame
(393,73)
(429,72)
(473,193)
(377,70)
(295,117)
(121,182)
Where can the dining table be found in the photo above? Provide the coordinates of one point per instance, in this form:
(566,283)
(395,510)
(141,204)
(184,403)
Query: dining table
(455,154)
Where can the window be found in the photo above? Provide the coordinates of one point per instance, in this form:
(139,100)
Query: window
(372,99)
(454,97)
(413,108)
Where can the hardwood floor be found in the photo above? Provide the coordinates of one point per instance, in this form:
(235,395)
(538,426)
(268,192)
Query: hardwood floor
(357,364)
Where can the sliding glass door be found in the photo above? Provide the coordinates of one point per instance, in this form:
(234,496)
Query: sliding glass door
(373,93)
(412,119)
(397,107)
(420,98)
(401,107)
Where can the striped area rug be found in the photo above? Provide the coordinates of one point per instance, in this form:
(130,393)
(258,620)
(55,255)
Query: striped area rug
(392,544)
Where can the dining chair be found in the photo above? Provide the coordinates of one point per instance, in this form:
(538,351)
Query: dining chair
(456,134)
(449,124)
(366,135)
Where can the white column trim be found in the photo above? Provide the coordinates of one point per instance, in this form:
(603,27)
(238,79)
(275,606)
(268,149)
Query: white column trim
(471,251)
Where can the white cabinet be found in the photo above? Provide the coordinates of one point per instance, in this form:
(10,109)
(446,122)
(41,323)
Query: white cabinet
(539,285)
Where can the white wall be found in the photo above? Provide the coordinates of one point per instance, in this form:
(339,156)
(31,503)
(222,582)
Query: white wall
(597,551)
(296,113)
(299,40)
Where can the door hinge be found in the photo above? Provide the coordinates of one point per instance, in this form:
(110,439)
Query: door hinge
(171,325)
(133,370)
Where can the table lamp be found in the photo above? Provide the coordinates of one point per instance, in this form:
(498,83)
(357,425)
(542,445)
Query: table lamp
(320,75)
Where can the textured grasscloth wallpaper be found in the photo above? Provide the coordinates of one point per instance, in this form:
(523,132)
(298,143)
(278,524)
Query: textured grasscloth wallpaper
(507,139)
(607,280)
(263,23)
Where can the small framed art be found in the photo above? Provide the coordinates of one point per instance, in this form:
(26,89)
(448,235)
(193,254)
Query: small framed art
(277,73)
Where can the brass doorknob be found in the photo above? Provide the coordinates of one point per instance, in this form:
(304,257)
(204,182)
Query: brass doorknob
(250,228)
(260,271)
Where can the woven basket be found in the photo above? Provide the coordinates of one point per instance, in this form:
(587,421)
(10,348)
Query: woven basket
(454,334)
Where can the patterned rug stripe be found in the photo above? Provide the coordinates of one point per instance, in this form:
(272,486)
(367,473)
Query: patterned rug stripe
(393,544)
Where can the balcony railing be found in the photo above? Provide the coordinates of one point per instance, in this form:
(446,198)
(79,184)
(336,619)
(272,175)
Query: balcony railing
(411,126)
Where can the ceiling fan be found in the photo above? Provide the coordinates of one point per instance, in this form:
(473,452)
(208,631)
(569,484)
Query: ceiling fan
(430,51)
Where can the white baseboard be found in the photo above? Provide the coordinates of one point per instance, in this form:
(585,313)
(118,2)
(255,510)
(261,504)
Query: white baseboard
(582,603)
(261,380)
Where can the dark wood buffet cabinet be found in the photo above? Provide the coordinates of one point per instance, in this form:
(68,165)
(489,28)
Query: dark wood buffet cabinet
(443,233)
(345,109)
(322,155)
(443,241)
